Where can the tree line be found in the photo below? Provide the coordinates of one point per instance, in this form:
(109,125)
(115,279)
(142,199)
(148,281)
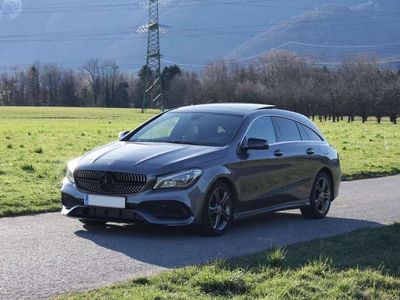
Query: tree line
(357,87)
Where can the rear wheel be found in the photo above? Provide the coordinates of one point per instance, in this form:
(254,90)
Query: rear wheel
(92,222)
(218,210)
(321,198)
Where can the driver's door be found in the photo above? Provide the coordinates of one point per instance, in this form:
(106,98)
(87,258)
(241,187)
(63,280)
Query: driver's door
(262,172)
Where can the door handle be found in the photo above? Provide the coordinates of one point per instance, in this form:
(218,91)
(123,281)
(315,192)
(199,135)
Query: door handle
(310,151)
(278,153)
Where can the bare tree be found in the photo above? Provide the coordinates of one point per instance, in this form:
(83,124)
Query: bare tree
(110,78)
(216,83)
(358,87)
(92,69)
(51,78)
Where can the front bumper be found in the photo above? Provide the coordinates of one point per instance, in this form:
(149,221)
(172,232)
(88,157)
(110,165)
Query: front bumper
(167,207)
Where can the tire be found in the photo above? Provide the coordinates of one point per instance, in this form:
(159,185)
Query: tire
(218,210)
(320,199)
(92,222)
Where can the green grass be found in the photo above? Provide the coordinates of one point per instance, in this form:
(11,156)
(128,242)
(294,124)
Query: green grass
(366,150)
(359,265)
(36,143)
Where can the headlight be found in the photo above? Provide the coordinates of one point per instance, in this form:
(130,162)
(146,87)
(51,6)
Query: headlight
(70,175)
(70,171)
(179,180)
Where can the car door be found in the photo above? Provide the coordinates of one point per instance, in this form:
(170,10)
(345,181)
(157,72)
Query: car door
(261,173)
(293,151)
(311,149)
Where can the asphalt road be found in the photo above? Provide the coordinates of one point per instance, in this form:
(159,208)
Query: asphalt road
(48,254)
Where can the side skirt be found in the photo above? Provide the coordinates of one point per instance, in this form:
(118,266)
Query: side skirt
(270,209)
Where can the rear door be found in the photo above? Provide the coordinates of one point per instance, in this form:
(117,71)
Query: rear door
(312,153)
(292,151)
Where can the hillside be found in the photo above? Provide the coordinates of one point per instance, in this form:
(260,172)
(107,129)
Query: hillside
(319,32)
(71,32)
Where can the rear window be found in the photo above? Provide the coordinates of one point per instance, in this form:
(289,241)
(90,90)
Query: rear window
(288,130)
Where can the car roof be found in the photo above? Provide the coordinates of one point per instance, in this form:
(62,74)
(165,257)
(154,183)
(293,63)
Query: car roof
(240,109)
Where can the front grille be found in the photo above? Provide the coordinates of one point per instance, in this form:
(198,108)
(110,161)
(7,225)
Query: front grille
(109,183)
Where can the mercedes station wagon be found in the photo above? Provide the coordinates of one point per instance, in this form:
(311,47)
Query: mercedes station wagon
(205,166)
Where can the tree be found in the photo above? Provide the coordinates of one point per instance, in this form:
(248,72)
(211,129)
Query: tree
(358,87)
(122,95)
(34,90)
(217,86)
(391,95)
(8,89)
(69,89)
(92,69)
(110,79)
(288,80)
(51,79)
(167,76)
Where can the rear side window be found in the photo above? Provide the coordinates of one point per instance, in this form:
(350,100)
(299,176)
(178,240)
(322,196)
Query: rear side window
(307,134)
(262,128)
(288,130)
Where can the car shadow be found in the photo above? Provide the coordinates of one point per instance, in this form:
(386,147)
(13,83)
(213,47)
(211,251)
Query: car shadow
(178,247)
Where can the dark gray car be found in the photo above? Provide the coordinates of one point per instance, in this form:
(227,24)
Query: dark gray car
(206,165)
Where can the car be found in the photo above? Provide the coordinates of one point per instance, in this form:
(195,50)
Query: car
(206,166)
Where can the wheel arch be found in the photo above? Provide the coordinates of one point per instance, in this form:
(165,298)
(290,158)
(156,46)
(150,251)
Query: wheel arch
(229,182)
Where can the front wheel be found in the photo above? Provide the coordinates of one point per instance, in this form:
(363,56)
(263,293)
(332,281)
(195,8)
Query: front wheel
(321,198)
(218,210)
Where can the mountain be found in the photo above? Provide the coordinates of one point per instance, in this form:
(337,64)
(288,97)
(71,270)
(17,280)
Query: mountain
(197,32)
(333,33)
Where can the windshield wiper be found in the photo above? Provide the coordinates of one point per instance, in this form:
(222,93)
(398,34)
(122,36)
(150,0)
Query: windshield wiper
(182,143)
(166,141)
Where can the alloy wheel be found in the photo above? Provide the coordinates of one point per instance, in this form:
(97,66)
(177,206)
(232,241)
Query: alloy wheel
(322,195)
(220,209)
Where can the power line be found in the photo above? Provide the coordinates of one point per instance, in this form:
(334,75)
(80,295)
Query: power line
(96,36)
(66,7)
(205,31)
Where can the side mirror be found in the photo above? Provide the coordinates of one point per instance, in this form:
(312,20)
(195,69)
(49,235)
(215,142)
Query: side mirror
(254,144)
(122,134)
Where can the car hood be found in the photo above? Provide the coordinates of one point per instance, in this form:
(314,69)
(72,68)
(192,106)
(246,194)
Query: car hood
(149,158)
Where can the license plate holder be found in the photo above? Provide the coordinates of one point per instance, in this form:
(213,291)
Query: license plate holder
(105,201)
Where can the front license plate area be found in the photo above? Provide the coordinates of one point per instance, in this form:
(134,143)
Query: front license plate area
(105,201)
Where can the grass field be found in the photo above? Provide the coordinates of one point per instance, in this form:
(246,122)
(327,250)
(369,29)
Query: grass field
(322,269)
(36,144)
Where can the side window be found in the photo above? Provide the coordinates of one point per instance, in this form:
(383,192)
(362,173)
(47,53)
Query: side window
(308,134)
(288,130)
(262,128)
(303,132)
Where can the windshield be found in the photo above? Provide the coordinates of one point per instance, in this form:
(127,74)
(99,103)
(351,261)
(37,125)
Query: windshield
(206,129)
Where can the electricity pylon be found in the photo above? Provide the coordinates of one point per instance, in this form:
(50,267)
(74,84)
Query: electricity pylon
(153,85)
